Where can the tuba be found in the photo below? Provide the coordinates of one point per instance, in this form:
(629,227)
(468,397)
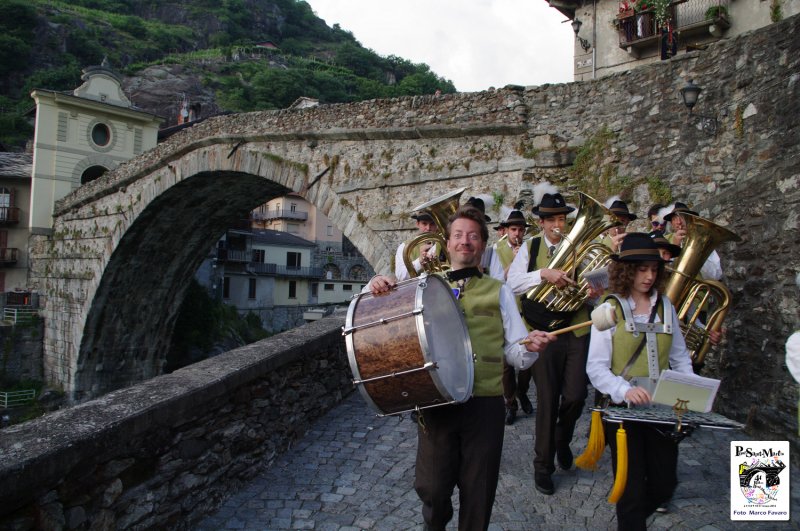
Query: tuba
(440,208)
(690,295)
(578,254)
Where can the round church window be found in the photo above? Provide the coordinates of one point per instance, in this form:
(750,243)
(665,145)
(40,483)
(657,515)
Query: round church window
(101,134)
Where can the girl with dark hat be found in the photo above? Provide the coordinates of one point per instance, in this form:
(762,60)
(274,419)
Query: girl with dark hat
(626,361)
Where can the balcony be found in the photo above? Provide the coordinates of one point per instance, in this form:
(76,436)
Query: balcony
(284,271)
(689,18)
(9,215)
(233,255)
(280,214)
(8,255)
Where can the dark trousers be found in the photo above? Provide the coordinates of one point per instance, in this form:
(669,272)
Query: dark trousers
(560,376)
(652,472)
(462,447)
(515,384)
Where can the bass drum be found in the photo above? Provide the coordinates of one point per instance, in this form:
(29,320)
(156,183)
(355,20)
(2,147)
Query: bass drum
(409,349)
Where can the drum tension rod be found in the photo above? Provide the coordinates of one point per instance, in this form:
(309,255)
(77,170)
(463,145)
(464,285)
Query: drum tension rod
(427,367)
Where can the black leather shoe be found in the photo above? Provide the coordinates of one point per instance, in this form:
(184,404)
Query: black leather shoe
(525,404)
(544,484)
(564,457)
(511,415)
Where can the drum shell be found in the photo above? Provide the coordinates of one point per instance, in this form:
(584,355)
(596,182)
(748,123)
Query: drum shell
(401,342)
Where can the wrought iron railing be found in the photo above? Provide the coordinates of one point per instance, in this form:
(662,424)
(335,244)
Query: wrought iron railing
(8,255)
(280,214)
(9,215)
(283,270)
(684,14)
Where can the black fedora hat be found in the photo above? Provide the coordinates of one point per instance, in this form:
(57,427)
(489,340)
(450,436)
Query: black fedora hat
(477,202)
(620,208)
(422,215)
(551,205)
(638,247)
(680,208)
(662,243)
(515,217)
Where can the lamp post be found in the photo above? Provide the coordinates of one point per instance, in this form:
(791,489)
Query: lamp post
(576,27)
(689,94)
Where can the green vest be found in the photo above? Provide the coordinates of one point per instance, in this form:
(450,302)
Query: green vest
(624,344)
(506,256)
(582,315)
(480,304)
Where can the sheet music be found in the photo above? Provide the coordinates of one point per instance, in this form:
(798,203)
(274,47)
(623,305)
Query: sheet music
(698,392)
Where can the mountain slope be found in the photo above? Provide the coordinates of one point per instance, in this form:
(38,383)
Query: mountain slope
(202,50)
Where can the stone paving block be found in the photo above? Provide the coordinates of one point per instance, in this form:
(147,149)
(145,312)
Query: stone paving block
(376,486)
(303,524)
(234,523)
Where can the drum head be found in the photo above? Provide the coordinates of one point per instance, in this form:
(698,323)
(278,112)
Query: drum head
(444,339)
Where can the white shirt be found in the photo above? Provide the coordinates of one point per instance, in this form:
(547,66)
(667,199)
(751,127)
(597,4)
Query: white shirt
(516,355)
(400,270)
(598,365)
(519,278)
(712,268)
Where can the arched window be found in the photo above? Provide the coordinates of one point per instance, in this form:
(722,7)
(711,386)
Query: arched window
(332,272)
(357,272)
(92,173)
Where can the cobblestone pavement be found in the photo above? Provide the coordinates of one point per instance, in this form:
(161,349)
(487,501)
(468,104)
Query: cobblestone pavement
(354,470)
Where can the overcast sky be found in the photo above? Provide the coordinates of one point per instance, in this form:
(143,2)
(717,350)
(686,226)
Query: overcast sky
(476,44)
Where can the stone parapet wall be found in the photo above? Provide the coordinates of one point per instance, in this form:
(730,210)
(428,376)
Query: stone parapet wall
(163,452)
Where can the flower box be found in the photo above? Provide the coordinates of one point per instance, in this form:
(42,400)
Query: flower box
(625,13)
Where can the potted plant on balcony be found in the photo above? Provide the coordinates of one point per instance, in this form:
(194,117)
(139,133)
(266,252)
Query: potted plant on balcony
(625,9)
(717,12)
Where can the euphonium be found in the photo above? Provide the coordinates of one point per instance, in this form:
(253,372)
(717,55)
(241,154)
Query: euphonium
(577,254)
(440,208)
(690,295)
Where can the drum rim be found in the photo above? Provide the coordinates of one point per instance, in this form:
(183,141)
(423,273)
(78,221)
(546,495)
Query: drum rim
(351,352)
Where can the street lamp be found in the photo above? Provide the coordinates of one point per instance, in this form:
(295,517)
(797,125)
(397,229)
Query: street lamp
(576,27)
(689,94)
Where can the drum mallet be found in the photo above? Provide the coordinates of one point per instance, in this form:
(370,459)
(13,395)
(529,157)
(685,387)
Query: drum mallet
(603,317)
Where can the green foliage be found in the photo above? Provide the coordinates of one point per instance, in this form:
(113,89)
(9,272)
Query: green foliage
(775,11)
(313,59)
(203,322)
(17,23)
(659,190)
(716,11)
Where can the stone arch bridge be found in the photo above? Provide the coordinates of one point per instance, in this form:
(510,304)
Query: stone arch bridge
(124,248)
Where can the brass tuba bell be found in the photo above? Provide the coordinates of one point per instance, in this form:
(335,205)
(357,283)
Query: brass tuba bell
(577,254)
(690,295)
(440,208)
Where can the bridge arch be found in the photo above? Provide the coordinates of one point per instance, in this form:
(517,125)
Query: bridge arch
(122,255)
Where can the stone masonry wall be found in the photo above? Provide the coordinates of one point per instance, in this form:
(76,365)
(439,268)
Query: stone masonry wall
(160,453)
(21,356)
